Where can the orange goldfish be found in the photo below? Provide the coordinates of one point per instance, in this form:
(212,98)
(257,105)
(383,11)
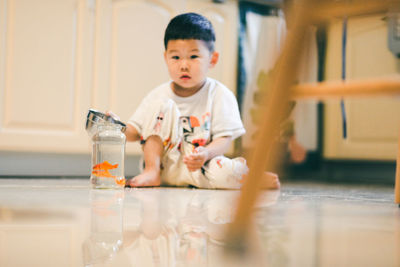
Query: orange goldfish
(103,173)
(103,170)
(120,182)
(105,166)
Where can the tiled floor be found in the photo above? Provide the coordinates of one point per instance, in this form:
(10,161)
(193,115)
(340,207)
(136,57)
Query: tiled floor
(64,223)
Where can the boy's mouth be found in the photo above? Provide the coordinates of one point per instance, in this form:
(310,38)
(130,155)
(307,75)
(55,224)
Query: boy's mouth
(185,77)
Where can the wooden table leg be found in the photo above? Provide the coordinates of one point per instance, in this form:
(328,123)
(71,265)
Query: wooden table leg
(275,106)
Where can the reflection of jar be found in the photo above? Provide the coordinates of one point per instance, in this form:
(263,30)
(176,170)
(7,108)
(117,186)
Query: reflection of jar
(108,157)
(106,229)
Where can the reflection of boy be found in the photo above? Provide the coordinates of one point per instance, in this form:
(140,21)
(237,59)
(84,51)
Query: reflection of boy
(187,124)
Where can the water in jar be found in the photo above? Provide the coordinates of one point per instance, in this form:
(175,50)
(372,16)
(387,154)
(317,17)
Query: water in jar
(108,159)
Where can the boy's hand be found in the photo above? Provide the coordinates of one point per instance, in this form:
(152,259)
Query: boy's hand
(112,115)
(196,160)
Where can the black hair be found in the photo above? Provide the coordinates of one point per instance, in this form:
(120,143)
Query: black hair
(190,26)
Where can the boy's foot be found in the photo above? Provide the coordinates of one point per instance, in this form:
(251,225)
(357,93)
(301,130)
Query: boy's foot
(270,180)
(298,153)
(147,178)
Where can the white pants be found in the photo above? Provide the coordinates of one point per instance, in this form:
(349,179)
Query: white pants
(164,120)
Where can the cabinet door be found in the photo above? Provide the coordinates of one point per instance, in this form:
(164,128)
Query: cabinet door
(129,60)
(373,122)
(45,72)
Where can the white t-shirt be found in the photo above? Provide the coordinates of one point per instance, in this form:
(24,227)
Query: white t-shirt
(210,113)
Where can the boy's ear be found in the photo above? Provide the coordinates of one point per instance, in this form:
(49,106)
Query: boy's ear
(214,59)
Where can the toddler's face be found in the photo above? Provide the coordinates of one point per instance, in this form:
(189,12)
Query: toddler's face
(188,62)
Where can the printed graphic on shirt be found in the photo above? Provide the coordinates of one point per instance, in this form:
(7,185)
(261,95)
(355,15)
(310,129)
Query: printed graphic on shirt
(195,133)
(157,126)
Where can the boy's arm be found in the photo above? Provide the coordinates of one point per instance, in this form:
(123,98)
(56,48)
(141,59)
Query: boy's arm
(202,154)
(218,147)
(131,133)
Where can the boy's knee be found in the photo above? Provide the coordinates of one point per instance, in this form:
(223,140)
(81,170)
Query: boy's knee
(162,121)
(154,139)
(225,173)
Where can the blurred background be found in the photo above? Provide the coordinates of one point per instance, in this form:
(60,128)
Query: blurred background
(60,58)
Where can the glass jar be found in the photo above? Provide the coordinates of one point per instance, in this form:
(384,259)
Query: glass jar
(108,156)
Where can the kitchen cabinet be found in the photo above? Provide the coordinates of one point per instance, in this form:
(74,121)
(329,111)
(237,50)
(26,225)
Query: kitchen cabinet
(60,58)
(45,69)
(373,123)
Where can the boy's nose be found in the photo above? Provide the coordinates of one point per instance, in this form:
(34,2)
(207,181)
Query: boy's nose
(184,65)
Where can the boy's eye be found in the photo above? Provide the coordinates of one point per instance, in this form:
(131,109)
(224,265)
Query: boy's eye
(175,57)
(194,56)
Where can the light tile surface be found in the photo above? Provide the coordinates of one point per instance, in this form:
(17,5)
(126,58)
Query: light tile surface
(45,222)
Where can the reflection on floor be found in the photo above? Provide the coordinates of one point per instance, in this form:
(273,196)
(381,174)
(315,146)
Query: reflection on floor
(64,223)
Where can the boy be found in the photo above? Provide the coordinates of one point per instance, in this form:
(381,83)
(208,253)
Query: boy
(187,124)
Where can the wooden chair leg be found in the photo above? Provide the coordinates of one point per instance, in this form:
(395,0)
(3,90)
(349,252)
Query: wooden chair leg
(275,106)
(397,181)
